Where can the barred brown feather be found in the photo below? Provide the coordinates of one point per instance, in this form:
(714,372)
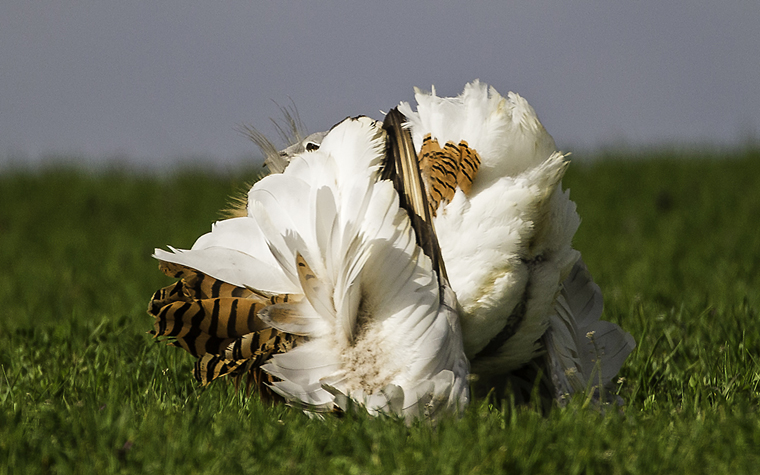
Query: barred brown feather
(445,169)
(246,353)
(217,323)
(468,167)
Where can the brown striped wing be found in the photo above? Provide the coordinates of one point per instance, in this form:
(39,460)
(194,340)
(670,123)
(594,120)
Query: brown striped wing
(217,323)
(203,326)
(244,354)
(445,169)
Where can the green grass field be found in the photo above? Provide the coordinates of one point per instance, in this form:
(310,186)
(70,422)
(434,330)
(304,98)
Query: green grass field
(674,245)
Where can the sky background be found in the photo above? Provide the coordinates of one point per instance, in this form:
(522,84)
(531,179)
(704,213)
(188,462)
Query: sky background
(169,81)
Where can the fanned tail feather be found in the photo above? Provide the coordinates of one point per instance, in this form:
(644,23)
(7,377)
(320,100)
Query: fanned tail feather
(381,343)
(363,317)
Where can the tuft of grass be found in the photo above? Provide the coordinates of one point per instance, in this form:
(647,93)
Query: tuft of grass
(83,389)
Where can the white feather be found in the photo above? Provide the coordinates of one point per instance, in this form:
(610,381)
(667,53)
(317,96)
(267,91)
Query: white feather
(505,131)
(379,334)
(236,252)
(515,213)
(489,238)
(508,244)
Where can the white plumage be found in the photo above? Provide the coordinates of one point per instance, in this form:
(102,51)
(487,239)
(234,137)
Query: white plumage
(370,320)
(379,329)
(507,244)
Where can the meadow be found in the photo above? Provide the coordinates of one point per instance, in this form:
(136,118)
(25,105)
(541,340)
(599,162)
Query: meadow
(674,244)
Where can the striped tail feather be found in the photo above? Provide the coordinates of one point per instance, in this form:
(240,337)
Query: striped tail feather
(217,323)
(245,355)
(195,284)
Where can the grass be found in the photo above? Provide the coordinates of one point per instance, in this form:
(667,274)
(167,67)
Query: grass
(674,245)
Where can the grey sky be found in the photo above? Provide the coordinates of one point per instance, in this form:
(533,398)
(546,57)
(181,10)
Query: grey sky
(161,80)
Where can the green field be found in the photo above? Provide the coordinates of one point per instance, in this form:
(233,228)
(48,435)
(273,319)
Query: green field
(674,245)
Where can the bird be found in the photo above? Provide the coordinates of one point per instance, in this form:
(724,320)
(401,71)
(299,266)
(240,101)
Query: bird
(330,292)
(528,305)
(505,227)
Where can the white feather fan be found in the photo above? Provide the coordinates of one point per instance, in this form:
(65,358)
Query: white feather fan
(379,332)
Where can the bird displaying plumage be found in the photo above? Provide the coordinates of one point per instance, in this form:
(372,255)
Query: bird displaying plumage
(331,291)
(348,271)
